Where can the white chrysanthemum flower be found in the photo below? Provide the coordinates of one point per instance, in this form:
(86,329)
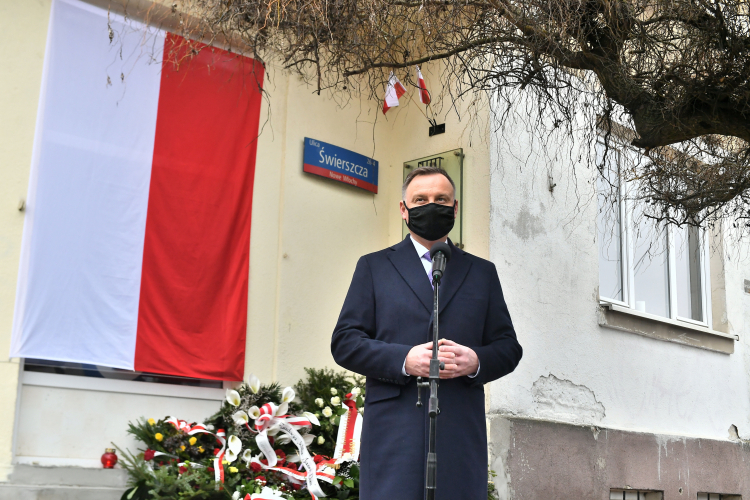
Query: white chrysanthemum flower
(233,397)
(320,402)
(321,440)
(327,412)
(361,410)
(335,401)
(356,391)
(269,493)
(334,391)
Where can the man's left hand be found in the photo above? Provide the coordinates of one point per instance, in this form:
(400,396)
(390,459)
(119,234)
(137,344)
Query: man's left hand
(459,360)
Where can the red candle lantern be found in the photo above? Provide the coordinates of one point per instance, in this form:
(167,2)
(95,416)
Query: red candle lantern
(109,459)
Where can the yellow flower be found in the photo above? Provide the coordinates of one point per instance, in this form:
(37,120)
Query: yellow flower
(200,448)
(193,440)
(233,470)
(151,421)
(225,462)
(182,447)
(158,436)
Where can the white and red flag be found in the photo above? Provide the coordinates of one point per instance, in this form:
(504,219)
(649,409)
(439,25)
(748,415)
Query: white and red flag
(135,250)
(393,93)
(424,94)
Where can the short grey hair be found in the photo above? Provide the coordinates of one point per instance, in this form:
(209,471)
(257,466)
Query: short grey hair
(425,170)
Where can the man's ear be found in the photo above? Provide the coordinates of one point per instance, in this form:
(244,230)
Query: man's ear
(455,209)
(403,210)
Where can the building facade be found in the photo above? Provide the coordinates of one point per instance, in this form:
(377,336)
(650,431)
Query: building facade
(642,389)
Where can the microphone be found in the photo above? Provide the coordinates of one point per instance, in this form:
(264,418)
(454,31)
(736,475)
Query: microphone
(440,253)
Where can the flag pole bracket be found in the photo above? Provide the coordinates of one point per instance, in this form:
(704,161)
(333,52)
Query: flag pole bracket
(436,129)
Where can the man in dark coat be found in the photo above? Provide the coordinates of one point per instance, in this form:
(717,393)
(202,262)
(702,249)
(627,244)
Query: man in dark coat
(384,332)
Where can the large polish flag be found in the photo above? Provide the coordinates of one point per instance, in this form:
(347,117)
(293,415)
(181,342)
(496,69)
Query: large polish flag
(136,240)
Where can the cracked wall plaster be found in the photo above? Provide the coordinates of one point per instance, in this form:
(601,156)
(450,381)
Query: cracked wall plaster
(547,259)
(563,400)
(526,224)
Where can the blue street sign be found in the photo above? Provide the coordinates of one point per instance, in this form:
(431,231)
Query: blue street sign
(340,165)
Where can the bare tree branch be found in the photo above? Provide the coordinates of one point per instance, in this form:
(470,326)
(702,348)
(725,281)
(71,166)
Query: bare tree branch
(676,71)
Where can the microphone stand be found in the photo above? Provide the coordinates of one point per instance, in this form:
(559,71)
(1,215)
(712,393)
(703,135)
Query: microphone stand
(433,408)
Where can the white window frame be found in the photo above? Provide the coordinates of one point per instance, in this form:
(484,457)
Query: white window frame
(140,387)
(95,384)
(627,251)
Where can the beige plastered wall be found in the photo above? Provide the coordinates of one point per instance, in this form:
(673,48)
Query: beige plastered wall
(23,33)
(307,232)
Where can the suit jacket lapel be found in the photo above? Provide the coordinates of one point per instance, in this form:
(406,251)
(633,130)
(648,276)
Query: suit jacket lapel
(406,261)
(455,274)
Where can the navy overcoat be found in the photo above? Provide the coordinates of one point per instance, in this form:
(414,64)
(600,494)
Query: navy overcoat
(387,311)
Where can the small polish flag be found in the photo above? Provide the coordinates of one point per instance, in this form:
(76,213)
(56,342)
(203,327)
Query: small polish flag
(424,94)
(393,93)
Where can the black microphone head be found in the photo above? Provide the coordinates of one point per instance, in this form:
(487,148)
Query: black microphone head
(441,247)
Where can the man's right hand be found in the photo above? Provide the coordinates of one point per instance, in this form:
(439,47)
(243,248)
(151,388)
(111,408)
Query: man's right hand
(418,359)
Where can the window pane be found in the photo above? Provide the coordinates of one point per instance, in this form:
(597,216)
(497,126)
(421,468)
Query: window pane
(608,228)
(650,266)
(688,264)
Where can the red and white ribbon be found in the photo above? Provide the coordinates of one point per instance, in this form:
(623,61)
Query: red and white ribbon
(220,436)
(347,444)
(184,426)
(350,430)
(269,418)
(322,472)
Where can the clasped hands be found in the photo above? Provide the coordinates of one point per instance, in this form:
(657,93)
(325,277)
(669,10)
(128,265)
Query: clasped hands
(459,360)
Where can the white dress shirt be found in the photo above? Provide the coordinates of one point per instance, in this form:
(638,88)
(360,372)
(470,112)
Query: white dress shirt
(424,258)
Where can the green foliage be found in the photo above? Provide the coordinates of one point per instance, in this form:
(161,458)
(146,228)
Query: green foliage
(316,388)
(222,419)
(347,480)
(166,438)
(491,490)
(138,471)
(185,471)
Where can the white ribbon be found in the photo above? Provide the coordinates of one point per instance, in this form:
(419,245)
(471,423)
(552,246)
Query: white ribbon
(271,417)
(307,462)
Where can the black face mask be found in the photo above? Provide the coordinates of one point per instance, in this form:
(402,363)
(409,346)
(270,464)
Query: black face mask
(431,221)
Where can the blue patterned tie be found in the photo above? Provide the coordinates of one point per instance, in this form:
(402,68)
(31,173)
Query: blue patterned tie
(427,257)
